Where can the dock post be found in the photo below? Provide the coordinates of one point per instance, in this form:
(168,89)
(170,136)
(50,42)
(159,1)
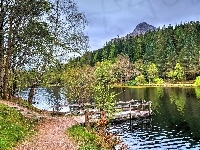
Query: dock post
(150,108)
(142,105)
(53,111)
(130,110)
(86,118)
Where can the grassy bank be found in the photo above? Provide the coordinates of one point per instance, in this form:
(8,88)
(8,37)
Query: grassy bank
(85,139)
(24,103)
(13,127)
(93,139)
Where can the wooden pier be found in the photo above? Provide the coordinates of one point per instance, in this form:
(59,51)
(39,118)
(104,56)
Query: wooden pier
(125,110)
(133,109)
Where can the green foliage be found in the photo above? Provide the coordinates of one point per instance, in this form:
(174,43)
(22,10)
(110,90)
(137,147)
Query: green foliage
(104,79)
(152,71)
(104,98)
(171,75)
(13,127)
(86,84)
(197,92)
(85,138)
(197,81)
(140,80)
(132,83)
(78,83)
(105,73)
(177,73)
(93,139)
(37,39)
(158,80)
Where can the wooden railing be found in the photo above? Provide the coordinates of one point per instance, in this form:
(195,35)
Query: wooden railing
(125,110)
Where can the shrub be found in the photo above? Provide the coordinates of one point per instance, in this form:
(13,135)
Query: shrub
(94,139)
(132,83)
(86,139)
(140,80)
(158,81)
(197,81)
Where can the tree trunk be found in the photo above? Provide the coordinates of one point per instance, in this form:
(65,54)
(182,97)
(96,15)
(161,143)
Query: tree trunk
(1,64)
(1,49)
(31,94)
(14,83)
(7,66)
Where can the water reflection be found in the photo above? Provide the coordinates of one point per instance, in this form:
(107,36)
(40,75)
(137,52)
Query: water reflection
(45,98)
(175,122)
(147,136)
(178,97)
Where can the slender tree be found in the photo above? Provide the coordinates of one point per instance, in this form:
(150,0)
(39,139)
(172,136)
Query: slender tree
(37,35)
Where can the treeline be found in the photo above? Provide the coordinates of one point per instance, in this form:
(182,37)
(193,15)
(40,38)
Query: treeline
(174,51)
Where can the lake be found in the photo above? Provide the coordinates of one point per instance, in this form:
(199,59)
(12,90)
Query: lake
(175,123)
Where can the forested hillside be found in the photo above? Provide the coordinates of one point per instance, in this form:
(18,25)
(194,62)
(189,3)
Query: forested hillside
(173,52)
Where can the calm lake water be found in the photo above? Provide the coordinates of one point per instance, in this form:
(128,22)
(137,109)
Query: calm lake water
(175,123)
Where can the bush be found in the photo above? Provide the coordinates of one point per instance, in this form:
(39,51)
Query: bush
(86,139)
(140,80)
(94,139)
(158,81)
(132,83)
(197,81)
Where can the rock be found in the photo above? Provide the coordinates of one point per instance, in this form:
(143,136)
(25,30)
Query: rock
(142,28)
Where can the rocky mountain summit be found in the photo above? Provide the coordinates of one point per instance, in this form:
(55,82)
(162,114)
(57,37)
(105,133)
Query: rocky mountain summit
(142,28)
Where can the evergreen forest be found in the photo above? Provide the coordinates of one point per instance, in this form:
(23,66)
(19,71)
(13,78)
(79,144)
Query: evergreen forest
(167,54)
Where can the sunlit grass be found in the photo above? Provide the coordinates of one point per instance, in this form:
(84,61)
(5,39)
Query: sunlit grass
(13,127)
(85,138)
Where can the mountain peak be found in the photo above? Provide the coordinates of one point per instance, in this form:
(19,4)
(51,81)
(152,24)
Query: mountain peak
(142,28)
(142,24)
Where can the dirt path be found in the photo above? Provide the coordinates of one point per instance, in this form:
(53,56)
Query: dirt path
(51,136)
(51,132)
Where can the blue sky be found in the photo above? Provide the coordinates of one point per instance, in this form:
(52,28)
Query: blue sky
(109,18)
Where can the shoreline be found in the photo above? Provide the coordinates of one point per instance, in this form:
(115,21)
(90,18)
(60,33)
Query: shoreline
(182,85)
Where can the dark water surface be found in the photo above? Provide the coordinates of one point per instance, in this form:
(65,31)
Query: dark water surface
(175,123)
